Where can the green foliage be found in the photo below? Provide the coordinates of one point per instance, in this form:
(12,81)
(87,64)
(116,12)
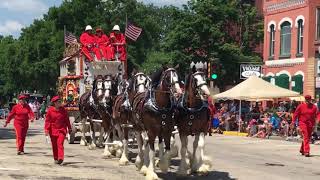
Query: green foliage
(204,30)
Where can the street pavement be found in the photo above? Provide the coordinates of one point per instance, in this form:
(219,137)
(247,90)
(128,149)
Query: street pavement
(232,157)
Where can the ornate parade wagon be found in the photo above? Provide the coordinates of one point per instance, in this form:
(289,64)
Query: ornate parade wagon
(76,78)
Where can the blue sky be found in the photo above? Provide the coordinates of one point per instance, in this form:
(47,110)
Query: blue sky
(16,14)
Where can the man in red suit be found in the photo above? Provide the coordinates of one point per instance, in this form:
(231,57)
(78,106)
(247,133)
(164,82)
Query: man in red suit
(89,45)
(306,114)
(57,125)
(21,113)
(104,45)
(118,41)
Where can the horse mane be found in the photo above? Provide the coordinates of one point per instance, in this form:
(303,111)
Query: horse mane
(114,86)
(188,80)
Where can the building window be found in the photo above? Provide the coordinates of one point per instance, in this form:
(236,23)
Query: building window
(318,24)
(285,39)
(300,37)
(272,41)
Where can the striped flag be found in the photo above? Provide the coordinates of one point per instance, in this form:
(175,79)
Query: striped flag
(69,38)
(133,32)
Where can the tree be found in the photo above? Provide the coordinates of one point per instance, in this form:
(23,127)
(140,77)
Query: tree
(216,30)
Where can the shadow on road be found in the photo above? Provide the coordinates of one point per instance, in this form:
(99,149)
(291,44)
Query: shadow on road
(9,133)
(216,175)
(71,163)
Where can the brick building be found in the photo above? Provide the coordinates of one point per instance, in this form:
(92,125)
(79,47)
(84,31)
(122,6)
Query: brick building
(291,44)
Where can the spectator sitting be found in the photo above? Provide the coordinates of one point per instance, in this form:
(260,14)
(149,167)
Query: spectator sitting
(252,127)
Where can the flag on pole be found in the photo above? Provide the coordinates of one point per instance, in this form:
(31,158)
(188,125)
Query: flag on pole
(69,38)
(133,32)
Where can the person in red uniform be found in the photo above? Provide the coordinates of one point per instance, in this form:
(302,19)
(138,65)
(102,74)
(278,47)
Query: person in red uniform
(88,42)
(118,42)
(306,114)
(104,45)
(212,112)
(21,113)
(57,125)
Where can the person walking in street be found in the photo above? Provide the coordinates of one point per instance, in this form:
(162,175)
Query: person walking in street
(306,114)
(57,125)
(21,113)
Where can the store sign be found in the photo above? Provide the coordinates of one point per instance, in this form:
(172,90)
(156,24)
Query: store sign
(247,70)
(317,82)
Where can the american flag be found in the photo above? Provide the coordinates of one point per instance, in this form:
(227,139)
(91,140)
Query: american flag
(69,38)
(133,32)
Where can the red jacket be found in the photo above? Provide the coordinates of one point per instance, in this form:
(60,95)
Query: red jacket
(57,121)
(306,114)
(103,40)
(211,107)
(87,39)
(21,114)
(118,38)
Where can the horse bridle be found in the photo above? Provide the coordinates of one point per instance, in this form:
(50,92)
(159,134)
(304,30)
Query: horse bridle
(109,78)
(198,86)
(145,84)
(172,81)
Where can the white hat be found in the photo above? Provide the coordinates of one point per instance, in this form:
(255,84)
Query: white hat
(88,27)
(116,28)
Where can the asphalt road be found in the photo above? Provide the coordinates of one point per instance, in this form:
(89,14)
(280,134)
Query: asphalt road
(233,158)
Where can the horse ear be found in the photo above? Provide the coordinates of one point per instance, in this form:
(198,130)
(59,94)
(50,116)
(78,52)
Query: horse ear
(177,66)
(194,69)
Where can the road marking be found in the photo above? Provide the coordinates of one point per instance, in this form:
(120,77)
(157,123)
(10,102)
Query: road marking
(9,169)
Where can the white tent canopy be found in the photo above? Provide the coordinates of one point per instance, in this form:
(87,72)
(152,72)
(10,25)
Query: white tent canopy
(255,88)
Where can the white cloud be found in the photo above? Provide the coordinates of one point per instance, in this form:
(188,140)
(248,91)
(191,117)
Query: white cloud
(10,27)
(165,2)
(24,6)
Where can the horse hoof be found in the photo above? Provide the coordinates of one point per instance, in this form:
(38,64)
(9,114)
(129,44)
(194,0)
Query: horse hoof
(203,170)
(144,170)
(123,162)
(138,165)
(119,153)
(92,147)
(207,161)
(83,143)
(151,176)
(107,155)
(163,166)
(156,162)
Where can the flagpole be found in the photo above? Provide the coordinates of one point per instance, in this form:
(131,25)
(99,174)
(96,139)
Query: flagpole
(64,36)
(126,62)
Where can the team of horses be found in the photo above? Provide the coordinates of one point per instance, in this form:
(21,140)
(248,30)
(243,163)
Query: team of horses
(152,113)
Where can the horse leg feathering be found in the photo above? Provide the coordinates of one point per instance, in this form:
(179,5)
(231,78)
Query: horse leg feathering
(183,168)
(205,162)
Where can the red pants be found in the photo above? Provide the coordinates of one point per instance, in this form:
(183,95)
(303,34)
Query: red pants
(57,146)
(306,131)
(106,52)
(87,51)
(21,133)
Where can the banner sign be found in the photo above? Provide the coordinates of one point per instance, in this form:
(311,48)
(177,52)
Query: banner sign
(247,70)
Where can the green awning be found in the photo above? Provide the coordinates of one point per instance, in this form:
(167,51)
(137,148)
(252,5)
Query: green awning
(267,78)
(298,79)
(282,81)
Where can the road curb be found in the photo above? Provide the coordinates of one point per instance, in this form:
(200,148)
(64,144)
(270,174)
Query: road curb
(234,133)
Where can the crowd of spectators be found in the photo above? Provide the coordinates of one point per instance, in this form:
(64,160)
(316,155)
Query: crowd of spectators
(261,121)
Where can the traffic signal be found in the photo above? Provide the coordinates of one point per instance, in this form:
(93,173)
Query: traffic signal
(214,71)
